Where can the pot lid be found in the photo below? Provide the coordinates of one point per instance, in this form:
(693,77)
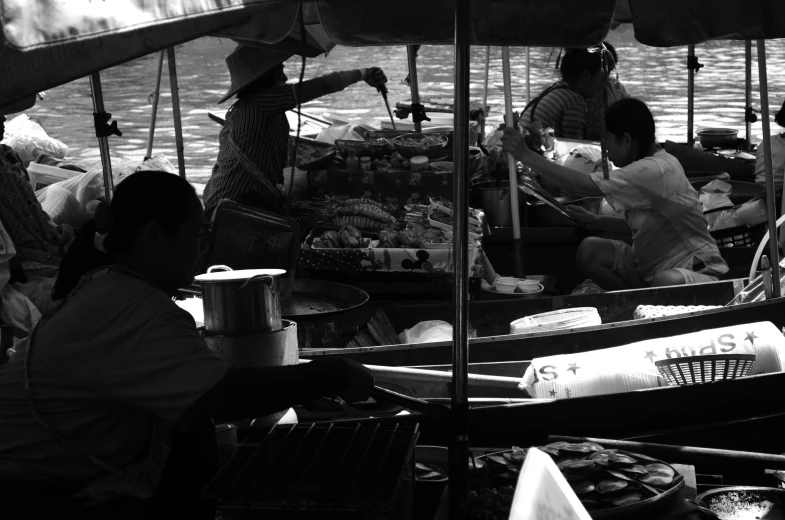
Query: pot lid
(232,276)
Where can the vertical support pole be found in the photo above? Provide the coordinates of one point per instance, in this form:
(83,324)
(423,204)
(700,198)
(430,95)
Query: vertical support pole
(178,124)
(103,142)
(413,82)
(485,90)
(528,76)
(512,169)
(154,115)
(606,173)
(774,254)
(459,448)
(690,96)
(748,91)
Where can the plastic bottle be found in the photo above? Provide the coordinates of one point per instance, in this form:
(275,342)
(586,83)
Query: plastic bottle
(353,163)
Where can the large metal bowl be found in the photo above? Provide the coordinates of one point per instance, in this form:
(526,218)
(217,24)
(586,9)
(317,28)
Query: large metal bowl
(740,503)
(718,137)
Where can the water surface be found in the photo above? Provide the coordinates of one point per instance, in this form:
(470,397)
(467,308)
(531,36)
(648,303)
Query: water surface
(658,76)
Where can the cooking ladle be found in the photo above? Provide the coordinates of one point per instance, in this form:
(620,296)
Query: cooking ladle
(699,508)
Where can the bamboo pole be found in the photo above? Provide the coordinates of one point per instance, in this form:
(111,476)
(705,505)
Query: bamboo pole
(103,142)
(156,97)
(774,255)
(485,89)
(528,76)
(178,124)
(690,96)
(459,446)
(512,169)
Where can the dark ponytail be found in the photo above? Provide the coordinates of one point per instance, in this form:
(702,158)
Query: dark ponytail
(143,197)
(633,117)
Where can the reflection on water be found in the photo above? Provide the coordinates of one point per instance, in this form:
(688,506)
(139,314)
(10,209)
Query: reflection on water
(658,76)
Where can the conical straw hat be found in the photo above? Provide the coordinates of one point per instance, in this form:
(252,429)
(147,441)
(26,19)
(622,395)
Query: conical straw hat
(247,64)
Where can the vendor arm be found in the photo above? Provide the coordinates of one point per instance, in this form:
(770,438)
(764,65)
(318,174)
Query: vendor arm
(337,81)
(600,223)
(247,392)
(566,178)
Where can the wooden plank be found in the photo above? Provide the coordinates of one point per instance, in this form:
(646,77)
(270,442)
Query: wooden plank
(517,348)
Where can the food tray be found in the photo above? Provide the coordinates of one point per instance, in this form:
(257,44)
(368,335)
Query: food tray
(373,149)
(447,227)
(435,206)
(431,151)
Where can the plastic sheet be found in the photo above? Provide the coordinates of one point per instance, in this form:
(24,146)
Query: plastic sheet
(430,332)
(30,140)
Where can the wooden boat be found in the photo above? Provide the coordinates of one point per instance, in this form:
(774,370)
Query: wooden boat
(523,347)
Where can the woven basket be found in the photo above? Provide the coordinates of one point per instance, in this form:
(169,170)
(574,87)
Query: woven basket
(704,369)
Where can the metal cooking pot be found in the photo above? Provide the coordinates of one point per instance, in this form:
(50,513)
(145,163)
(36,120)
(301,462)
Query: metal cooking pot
(241,302)
(718,137)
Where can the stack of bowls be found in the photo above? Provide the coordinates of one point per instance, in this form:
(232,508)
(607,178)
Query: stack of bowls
(519,285)
(557,320)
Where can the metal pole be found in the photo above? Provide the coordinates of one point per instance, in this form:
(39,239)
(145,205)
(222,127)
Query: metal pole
(690,96)
(528,76)
(774,254)
(156,97)
(512,169)
(178,124)
(459,448)
(748,89)
(103,142)
(606,174)
(485,89)
(413,82)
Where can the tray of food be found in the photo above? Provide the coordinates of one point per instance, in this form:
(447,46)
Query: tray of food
(429,145)
(610,483)
(375,149)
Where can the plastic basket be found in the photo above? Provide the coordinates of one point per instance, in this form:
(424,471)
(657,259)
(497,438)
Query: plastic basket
(742,236)
(705,369)
(247,238)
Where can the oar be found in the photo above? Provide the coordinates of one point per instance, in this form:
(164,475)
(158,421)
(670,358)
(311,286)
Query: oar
(513,171)
(383,90)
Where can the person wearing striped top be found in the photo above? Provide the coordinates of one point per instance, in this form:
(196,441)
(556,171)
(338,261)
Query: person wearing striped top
(562,106)
(254,141)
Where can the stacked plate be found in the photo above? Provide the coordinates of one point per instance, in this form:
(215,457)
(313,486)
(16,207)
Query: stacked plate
(557,320)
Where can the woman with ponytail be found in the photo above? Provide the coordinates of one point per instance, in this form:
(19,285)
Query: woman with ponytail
(117,375)
(671,244)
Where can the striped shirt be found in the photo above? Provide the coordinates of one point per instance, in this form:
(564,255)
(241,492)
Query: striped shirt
(257,124)
(560,108)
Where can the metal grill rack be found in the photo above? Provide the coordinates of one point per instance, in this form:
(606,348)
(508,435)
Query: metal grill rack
(360,470)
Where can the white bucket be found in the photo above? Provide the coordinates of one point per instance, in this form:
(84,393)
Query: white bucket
(557,320)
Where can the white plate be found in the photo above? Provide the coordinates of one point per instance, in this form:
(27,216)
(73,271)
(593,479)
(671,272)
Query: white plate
(513,294)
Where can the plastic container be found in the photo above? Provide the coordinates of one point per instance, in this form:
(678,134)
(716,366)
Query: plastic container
(365,163)
(419,163)
(353,163)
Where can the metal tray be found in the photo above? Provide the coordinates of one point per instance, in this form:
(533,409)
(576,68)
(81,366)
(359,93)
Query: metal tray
(743,502)
(313,300)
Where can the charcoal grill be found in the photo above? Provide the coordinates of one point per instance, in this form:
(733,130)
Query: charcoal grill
(358,470)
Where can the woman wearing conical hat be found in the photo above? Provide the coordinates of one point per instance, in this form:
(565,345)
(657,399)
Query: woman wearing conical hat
(253,142)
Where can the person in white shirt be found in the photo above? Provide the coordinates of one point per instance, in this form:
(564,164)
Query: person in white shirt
(671,244)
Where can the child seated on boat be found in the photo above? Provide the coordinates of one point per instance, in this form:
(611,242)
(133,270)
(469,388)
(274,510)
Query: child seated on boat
(671,244)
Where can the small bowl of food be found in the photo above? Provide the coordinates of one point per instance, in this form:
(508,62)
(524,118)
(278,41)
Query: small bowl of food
(429,145)
(442,166)
(506,285)
(529,286)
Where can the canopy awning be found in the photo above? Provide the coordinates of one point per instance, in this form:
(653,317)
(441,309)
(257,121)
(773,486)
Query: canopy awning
(46,43)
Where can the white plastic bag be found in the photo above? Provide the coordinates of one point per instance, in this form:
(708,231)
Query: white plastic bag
(430,332)
(30,140)
(66,202)
(332,133)
(715,195)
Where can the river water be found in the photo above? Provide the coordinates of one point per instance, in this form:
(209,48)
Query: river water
(657,76)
